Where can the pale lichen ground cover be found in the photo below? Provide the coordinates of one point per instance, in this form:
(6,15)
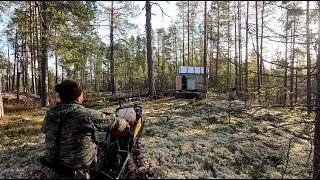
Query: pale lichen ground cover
(201,140)
(184,139)
(21,144)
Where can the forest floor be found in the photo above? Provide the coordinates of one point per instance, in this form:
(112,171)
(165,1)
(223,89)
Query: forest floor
(183,138)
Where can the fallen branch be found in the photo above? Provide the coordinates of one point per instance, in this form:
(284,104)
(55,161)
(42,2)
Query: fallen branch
(289,148)
(288,124)
(161,117)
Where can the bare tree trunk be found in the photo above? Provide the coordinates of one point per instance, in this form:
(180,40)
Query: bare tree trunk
(31,47)
(158,51)
(8,72)
(176,52)
(25,56)
(38,37)
(192,47)
(18,73)
(1,102)
(261,45)
(205,44)
(308,62)
(240,47)
(246,60)
(183,61)
(292,63)
(211,52)
(286,64)
(44,53)
(15,63)
(56,62)
(149,49)
(296,87)
(218,42)
(229,69)
(188,35)
(14,72)
(18,79)
(91,76)
(235,53)
(112,63)
(23,62)
(257,50)
(32,54)
(26,59)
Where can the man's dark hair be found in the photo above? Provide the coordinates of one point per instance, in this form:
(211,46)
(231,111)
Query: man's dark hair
(68,91)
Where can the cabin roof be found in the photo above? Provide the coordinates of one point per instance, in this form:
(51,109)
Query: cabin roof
(191,70)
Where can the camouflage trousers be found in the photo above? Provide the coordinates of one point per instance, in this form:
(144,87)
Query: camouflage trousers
(89,173)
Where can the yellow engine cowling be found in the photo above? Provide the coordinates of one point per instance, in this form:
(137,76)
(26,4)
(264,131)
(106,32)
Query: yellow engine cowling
(137,128)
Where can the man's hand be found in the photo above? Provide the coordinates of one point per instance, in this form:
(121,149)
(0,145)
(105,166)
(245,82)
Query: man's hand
(121,124)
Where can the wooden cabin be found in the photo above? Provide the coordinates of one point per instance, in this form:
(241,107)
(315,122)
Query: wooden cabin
(190,78)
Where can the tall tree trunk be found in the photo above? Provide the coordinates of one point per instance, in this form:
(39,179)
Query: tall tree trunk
(286,63)
(18,78)
(15,61)
(192,46)
(261,45)
(188,34)
(240,47)
(235,52)
(229,69)
(316,141)
(26,57)
(205,44)
(18,73)
(246,60)
(257,51)
(218,43)
(308,62)
(176,52)
(112,63)
(211,52)
(296,87)
(23,62)
(183,61)
(292,63)
(32,55)
(91,76)
(44,59)
(38,37)
(56,62)
(31,47)
(8,72)
(149,49)
(1,102)
(158,51)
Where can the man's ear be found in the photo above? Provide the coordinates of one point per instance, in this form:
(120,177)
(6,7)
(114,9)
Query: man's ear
(77,101)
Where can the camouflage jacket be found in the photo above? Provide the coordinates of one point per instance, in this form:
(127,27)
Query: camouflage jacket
(77,140)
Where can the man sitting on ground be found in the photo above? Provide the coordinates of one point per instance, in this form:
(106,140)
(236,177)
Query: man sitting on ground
(71,149)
